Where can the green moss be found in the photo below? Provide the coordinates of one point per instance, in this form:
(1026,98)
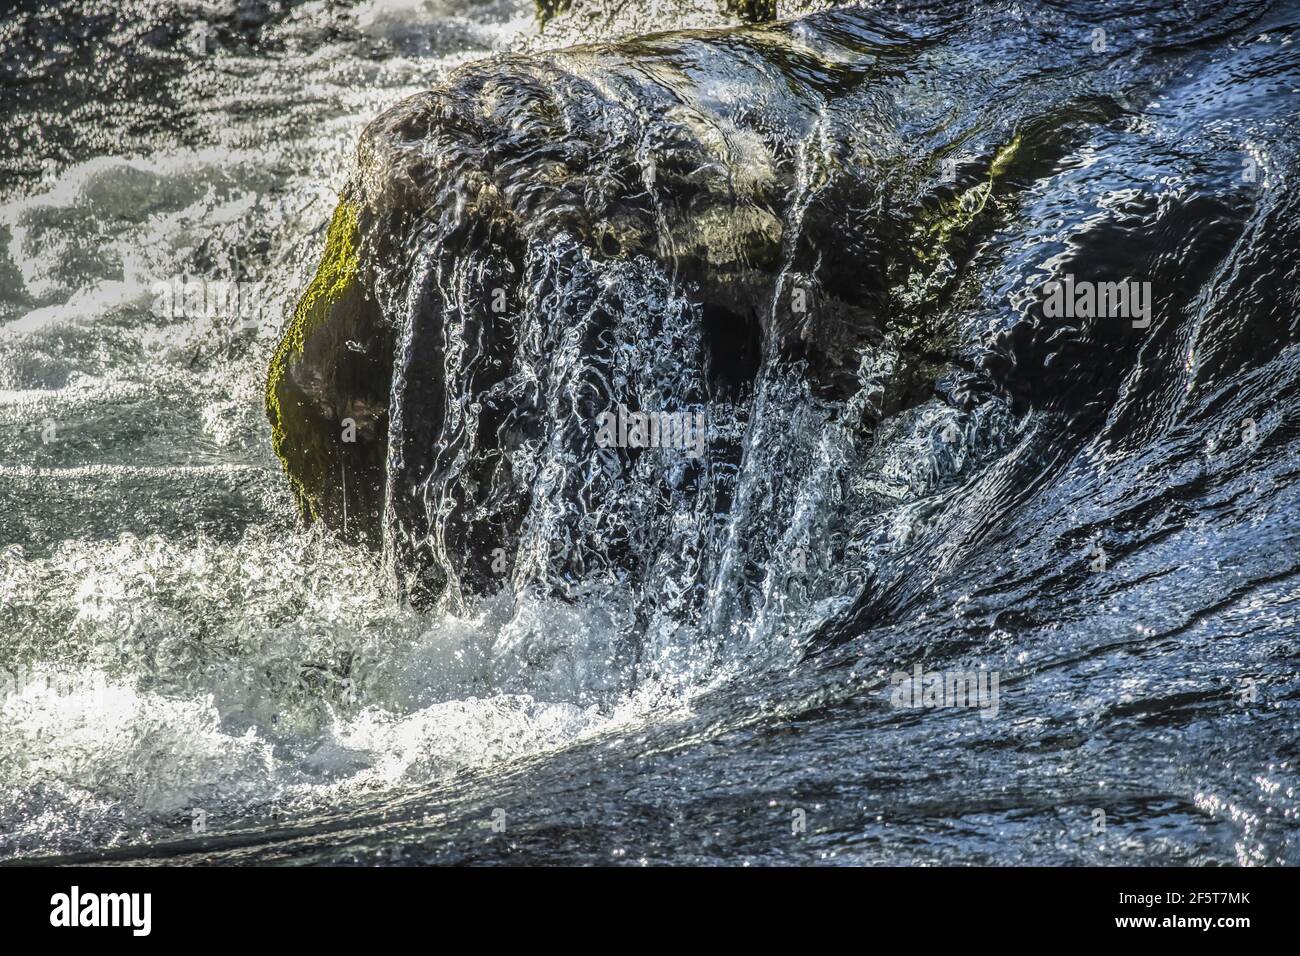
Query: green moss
(753,11)
(938,239)
(956,215)
(335,278)
(547,9)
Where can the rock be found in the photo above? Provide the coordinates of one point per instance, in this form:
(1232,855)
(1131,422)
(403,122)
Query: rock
(327,392)
(655,223)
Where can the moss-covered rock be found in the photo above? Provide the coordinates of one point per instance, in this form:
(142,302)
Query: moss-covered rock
(782,192)
(327,391)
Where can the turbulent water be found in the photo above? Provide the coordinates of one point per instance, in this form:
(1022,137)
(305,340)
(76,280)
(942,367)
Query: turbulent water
(685,669)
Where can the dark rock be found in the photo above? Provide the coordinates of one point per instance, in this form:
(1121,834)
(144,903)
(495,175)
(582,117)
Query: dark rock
(788,196)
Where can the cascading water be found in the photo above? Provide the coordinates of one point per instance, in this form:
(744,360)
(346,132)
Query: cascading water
(653,654)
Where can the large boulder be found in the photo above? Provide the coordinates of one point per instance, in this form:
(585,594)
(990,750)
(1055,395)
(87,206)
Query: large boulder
(656,224)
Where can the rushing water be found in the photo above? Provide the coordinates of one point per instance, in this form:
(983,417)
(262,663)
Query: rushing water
(1105,517)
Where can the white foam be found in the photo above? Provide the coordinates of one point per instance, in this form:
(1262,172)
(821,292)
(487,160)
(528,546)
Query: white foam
(209,676)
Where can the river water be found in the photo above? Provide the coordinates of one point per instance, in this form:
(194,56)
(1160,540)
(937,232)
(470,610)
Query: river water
(1109,524)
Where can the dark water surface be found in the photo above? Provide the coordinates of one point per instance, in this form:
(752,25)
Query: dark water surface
(1104,516)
